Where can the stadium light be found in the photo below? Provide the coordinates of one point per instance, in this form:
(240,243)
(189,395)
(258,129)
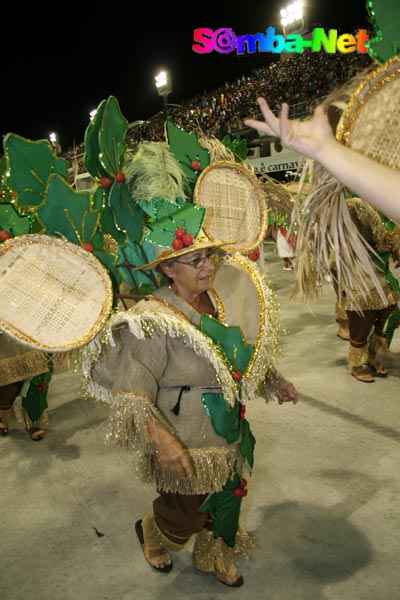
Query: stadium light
(54,142)
(92,114)
(292,16)
(163,85)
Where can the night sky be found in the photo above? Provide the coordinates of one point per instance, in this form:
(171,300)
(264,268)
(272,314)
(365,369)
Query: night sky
(55,69)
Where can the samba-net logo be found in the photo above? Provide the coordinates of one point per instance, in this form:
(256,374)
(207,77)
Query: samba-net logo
(225,41)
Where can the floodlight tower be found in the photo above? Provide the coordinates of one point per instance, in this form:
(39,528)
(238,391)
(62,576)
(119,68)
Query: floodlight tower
(163,85)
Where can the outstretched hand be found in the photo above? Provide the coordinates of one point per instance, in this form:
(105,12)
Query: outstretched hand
(286,392)
(306,137)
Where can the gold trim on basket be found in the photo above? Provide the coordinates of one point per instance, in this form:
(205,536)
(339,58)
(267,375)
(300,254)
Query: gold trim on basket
(223,208)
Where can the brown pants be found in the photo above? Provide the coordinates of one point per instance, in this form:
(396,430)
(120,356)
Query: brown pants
(360,325)
(8,393)
(178,516)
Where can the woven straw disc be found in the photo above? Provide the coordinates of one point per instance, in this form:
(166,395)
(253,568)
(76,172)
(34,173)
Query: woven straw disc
(55,296)
(236,208)
(371,122)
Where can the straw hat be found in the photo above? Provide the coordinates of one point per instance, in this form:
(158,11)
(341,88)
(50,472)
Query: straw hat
(236,206)
(55,296)
(177,234)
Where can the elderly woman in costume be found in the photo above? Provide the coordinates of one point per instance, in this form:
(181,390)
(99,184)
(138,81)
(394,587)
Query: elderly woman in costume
(177,369)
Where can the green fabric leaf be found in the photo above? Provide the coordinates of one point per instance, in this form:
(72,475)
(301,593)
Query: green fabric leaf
(392,323)
(186,148)
(67,213)
(13,222)
(128,216)
(100,198)
(247,443)
(224,419)
(30,164)
(35,401)
(108,227)
(109,260)
(384,15)
(230,339)
(91,158)
(135,255)
(111,137)
(224,508)
(162,232)
(238,147)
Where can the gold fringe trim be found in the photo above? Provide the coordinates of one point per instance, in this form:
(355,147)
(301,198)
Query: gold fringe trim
(154,539)
(8,417)
(341,312)
(142,321)
(358,356)
(23,366)
(210,553)
(376,342)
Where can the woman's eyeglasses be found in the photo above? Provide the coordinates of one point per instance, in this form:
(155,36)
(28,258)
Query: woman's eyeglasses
(198,263)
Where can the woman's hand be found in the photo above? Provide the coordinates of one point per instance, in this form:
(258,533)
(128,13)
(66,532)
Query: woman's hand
(286,392)
(171,453)
(306,137)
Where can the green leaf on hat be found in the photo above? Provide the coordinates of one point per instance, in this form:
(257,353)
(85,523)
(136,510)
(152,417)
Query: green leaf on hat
(30,164)
(111,137)
(128,216)
(108,226)
(13,222)
(238,147)
(162,232)
(186,148)
(385,15)
(91,158)
(135,255)
(67,213)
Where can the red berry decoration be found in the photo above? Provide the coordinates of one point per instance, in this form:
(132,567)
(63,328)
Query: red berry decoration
(244,492)
(237,375)
(180,232)
(42,387)
(238,492)
(105,182)
(120,177)
(4,235)
(88,246)
(242,412)
(243,483)
(188,239)
(196,166)
(255,255)
(177,244)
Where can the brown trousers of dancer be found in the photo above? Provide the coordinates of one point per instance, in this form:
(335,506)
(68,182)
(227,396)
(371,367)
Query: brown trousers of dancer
(178,516)
(360,325)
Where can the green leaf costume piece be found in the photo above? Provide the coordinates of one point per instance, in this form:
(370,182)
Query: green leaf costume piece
(30,164)
(13,222)
(385,16)
(224,508)
(230,339)
(186,148)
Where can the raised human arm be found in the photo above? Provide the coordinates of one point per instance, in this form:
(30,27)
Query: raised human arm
(314,139)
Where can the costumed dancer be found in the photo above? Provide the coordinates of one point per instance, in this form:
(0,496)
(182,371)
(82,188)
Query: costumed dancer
(178,367)
(368,313)
(27,373)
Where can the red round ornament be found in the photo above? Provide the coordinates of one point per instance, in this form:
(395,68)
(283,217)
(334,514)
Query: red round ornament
(180,232)
(188,239)
(119,177)
(243,483)
(4,235)
(88,246)
(177,244)
(255,255)
(105,182)
(237,375)
(238,492)
(196,166)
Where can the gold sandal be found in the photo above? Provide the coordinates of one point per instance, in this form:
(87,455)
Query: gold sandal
(362,374)
(231,574)
(37,433)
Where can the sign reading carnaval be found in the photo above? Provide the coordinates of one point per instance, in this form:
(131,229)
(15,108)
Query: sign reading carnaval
(225,41)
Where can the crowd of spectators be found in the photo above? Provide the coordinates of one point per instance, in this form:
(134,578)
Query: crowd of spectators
(301,80)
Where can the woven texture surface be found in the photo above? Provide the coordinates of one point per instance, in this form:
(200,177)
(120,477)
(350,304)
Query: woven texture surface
(55,295)
(236,209)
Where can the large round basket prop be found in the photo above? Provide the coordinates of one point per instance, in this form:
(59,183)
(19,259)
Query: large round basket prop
(236,206)
(55,296)
(371,121)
